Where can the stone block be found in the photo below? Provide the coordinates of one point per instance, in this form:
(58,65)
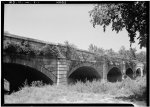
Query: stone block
(62,72)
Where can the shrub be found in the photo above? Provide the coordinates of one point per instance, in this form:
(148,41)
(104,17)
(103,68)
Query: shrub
(37,84)
(139,88)
(127,87)
(11,47)
(94,87)
(26,48)
(49,51)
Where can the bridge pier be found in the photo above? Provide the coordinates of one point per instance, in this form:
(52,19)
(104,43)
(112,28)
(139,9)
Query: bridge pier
(105,70)
(142,72)
(123,68)
(62,68)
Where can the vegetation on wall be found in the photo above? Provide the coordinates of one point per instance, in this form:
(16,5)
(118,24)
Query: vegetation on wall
(25,48)
(70,52)
(49,51)
(19,48)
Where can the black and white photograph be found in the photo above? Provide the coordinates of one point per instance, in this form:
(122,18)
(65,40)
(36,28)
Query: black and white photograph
(73,52)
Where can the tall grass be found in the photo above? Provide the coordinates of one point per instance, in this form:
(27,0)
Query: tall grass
(126,87)
(38,92)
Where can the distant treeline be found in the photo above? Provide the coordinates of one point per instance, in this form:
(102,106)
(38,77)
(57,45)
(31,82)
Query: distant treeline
(122,53)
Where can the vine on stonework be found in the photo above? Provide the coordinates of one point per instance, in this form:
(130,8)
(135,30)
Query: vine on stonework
(49,51)
(68,51)
(25,48)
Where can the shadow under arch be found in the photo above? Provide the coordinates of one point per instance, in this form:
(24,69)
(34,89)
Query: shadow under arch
(82,74)
(114,75)
(144,70)
(17,74)
(138,72)
(129,72)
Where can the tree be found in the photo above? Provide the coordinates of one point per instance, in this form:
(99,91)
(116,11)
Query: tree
(95,49)
(132,16)
(141,56)
(111,53)
(132,53)
(123,52)
(127,54)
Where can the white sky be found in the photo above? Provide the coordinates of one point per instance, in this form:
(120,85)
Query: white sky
(57,23)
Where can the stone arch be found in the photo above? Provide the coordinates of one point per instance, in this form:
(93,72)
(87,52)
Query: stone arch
(139,69)
(138,72)
(82,73)
(114,75)
(17,74)
(130,73)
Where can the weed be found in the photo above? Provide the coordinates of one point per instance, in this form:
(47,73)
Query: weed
(126,89)
(37,84)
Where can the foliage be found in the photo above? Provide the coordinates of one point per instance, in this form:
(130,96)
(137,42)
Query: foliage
(68,51)
(33,84)
(132,16)
(71,51)
(127,87)
(111,52)
(111,55)
(19,48)
(140,86)
(91,91)
(37,84)
(123,52)
(127,54)
(85,57)
(96,50)
(26,48)
(101,54)
(49,51)
(141,56)
(11,47)
(132,53)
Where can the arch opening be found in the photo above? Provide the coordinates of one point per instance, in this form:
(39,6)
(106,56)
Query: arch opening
(129,73)
(138,72)
(114,75)
(17,75)
(83,74)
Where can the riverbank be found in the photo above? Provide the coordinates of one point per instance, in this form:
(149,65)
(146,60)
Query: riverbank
(128,91)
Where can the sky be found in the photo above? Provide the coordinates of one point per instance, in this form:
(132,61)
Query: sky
(57,23)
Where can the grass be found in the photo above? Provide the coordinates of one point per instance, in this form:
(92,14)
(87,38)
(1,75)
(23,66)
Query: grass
(125,88)
(95,91)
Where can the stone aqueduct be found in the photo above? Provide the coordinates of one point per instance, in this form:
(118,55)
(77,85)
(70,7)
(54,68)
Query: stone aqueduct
(62,71)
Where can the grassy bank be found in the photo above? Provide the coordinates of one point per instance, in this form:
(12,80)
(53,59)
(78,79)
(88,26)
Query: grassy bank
(125,88)
(94,92)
